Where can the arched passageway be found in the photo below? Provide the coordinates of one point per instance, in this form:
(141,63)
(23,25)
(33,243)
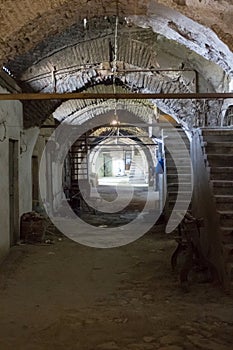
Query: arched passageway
(96,158)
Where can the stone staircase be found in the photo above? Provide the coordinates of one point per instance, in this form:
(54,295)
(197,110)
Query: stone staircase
(218,150)
(136,174)
(218,153)
(178,169)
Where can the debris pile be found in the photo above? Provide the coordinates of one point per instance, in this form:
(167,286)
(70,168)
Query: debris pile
(33,227)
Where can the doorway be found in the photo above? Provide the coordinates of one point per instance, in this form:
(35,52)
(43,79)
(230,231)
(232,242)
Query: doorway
(13,191)
(107,164)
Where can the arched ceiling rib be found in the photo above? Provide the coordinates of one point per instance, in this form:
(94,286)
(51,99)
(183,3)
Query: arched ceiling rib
(176,107)
(80,116)
(184,110)
(136,50)
(79,111)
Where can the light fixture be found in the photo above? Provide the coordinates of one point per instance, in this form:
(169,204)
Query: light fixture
(114,122)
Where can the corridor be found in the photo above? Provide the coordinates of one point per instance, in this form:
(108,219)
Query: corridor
(116,162)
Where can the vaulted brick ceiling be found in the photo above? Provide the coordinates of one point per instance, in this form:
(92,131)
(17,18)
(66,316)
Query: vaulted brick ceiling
(25,23)
(39,38)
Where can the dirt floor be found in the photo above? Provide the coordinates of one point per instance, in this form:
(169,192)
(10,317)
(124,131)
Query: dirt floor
(66,296)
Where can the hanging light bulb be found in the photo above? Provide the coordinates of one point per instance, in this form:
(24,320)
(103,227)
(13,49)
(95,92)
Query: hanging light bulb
(114,122)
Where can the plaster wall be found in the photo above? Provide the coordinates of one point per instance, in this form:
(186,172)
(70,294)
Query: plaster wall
(10,127)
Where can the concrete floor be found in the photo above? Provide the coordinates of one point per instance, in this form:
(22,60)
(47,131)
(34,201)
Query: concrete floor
(65,296)
(118,180)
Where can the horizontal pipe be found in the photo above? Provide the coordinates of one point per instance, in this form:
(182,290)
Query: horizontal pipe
(149,70)
(116,96)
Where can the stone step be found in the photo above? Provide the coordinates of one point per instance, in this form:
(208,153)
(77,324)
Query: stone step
(176,149)
(172,135)
(224,202)
(220,160)
(217,131)
(217,138)
(226,218)
(183,152)
(228,248)
(219,147)
(222,187)
(180,205)
(183,178)
(177,143)
(174,186)
(227,239)
(178,161)
(172,129)
(221,173)
(185,195)
(227,233)
(181,169)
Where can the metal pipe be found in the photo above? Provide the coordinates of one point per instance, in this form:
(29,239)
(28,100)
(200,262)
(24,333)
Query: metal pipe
(116,96)
(149,70)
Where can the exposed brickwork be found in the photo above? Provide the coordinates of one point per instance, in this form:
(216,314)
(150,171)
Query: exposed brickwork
(136,50)
(24,24)
(76,79)
(42,28)
(81,110)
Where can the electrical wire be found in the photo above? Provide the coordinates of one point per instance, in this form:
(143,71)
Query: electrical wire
(114,70)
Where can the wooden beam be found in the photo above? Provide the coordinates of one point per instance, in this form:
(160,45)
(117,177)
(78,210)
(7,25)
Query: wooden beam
(115,96)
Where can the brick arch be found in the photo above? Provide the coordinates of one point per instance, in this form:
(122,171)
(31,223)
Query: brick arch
(75,113)
(141,82)
(97,53)
(187,112)
(176,108)
(72,76)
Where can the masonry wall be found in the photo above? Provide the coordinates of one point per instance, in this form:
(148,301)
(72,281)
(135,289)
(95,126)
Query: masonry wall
(11,127)
(203,206)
